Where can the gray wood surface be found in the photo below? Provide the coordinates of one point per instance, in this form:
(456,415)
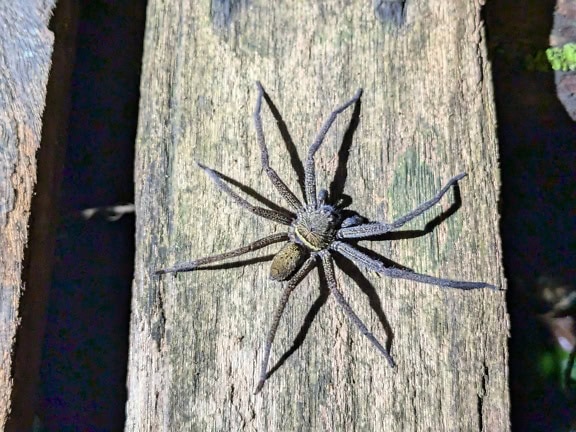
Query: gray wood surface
(25,58)
(427,113)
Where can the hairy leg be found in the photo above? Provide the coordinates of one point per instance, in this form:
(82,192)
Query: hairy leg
(292,283)
(310,169)
(365,261)
(193,265)
(278,183)
(377,228)
(329,270)
(272,215)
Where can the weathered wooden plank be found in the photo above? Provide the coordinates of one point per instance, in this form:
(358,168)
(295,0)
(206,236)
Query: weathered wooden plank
(25,58)
(427,113)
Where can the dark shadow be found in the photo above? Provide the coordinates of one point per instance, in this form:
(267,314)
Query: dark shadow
(429,227)
(234,264)
(350,269)
(22,360)
(308,319)
(85,348)
(536,159)
(391,13)
(343,202)
(336,188)
(295,161)
(253,194)
(387,261)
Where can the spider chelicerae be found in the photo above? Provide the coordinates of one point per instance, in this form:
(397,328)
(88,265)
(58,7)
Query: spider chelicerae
(317,228)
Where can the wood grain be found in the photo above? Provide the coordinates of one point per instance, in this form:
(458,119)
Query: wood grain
(25,58)
(427,114)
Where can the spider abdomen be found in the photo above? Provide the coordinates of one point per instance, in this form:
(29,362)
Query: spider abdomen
(287,261)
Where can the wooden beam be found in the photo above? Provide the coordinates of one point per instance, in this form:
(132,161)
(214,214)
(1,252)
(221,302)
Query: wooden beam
(33,118)
(427,113)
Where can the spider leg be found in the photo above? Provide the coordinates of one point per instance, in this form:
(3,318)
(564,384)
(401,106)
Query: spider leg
(310,169)
(193,265)
(377,228)
(329,270)
(272,215)
(364,260)
(292,283)
(278,183)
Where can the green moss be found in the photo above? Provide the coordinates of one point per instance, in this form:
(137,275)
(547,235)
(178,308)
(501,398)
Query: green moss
(562,58)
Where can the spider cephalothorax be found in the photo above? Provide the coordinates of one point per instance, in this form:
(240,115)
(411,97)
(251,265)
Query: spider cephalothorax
(316,231)
(316,228)
(313,230)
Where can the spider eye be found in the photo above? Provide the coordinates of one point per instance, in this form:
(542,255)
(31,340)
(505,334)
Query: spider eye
(326,210)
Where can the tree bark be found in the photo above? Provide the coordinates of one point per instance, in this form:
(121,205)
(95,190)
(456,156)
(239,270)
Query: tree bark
(427,113)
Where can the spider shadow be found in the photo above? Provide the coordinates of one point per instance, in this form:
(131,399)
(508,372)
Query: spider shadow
(430,225)
(295,160)
(255,195)
(350,269)
(307,324)
(336,188)
(353,272)
(337,185)
(236,264)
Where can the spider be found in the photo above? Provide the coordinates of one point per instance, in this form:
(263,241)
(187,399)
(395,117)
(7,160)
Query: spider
(317,229)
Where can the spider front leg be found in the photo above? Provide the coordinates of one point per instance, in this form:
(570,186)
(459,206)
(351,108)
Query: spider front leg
(291,285)
(269,214)
(278,183)
(310,169)
(365,261)
(193,265)
(378,228)
(328,266)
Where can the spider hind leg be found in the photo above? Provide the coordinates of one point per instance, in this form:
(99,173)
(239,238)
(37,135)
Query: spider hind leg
(328,267)
(193,265)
